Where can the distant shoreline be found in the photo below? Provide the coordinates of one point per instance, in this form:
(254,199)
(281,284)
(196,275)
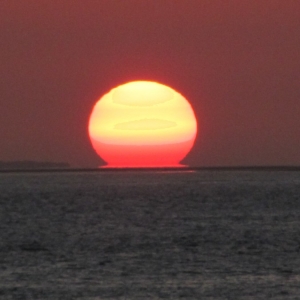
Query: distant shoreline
(29,165)
(162,169)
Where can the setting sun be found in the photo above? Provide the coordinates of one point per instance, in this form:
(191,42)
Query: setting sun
(142,124)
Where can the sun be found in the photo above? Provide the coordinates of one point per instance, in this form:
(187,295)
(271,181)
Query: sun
(142,124)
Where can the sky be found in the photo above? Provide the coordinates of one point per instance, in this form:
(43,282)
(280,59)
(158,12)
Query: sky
(237,62)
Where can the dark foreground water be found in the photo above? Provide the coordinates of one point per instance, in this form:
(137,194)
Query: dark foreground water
(135,235)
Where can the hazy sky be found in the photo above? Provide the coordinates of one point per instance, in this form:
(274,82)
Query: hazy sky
(238,63)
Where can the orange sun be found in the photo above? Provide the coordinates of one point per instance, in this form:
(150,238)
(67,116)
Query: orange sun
(142,124)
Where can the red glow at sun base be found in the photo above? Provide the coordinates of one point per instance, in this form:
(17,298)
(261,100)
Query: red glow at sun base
(143,156)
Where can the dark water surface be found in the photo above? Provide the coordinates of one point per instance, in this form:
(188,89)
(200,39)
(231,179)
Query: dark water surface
(150,235)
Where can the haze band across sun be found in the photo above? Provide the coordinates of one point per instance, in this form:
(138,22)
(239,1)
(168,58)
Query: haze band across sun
(142,124)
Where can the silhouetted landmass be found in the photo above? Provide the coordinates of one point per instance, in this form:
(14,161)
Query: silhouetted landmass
(32,165)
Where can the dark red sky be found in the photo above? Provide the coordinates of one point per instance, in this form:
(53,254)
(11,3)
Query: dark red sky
(238,62)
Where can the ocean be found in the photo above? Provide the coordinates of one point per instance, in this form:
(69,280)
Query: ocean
(150,235)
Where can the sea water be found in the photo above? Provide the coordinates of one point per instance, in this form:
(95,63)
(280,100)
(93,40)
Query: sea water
(150,235)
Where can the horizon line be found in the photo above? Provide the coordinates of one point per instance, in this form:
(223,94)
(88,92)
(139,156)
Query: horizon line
(151,169)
